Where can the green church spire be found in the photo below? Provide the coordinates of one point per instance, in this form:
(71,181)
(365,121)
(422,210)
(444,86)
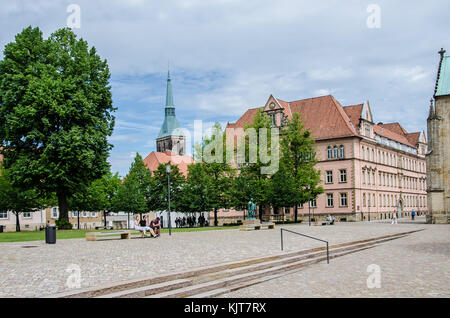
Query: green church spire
(170,121)
(169,96)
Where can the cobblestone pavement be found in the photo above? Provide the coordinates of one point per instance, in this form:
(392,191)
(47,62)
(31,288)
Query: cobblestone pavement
(419,262)
(415,266)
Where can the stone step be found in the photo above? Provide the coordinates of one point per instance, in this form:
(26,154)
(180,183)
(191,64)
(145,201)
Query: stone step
(242,278)
(149,290)
(240,285)
(211,269)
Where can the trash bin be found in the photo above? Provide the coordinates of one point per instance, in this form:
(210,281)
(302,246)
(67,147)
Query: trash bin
(50,235)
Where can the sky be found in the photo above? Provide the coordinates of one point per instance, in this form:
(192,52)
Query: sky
(227,56)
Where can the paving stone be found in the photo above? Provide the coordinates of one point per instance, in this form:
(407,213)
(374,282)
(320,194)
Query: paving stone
(415,265)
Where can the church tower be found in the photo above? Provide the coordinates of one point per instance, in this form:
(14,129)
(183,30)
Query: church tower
(170,138)
(438,157)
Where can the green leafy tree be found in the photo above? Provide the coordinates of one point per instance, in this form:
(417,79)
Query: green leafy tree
(55,113)
(219,174)
(258,182)
(298,160)
(159,189)
(133,195)
(195,192)
(98,196)
(17,201)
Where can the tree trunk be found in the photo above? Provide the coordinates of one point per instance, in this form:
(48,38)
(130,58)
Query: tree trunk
(295,212)
(215,217)
(104,217)
(63,206)
(17,222)
(261,212)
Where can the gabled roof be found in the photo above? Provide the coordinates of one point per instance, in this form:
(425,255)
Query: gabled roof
(381,130)
(395,127)
(154,159)
(354,113)
(324,116)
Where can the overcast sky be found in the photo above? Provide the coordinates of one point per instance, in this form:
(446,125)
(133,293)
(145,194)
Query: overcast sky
(227,56)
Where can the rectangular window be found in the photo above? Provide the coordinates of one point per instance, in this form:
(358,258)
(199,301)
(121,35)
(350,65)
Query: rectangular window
(75,214)
(3,215)
(300,206)
(343,176)
(329,200)
(94,214)
(26,215)
(313,203)
(55,213)
(329,176)
(84,214)
(343,199)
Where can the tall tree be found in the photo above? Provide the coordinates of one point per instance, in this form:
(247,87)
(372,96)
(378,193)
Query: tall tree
(219,174)
(258,181)
(133,195)
(195,192)
(55,113)
(159,189)
(299,157)
(15,200)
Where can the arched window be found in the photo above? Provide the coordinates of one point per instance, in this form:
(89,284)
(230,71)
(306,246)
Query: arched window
(330,152)
(364,200)
(368,154)
(362,153)
(373,155)
(335,152)
(341,152)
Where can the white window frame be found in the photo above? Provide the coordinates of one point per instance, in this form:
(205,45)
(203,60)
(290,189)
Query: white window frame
(52,213)
(26,217)
(327,175)
(4,215)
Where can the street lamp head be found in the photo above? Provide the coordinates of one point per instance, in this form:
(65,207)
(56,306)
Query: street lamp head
(168,168)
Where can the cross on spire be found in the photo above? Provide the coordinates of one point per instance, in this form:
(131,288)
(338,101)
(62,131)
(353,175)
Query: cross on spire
(442,52)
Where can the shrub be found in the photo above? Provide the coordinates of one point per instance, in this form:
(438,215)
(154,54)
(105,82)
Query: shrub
(63,224)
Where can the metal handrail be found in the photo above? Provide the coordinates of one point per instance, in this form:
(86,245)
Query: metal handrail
(314,238)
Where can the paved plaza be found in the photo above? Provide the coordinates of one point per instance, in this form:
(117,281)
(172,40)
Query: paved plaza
(414,266)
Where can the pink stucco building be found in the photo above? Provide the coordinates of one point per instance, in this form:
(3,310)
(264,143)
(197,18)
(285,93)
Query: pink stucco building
(369,171)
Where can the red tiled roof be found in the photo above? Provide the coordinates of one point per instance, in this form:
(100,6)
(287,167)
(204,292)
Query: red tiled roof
(354,113)
(380,130)
(413,138)
(154,159)
(395,127)
(324,116)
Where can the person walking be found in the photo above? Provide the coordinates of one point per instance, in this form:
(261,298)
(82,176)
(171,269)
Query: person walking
(413,213)
(394,218)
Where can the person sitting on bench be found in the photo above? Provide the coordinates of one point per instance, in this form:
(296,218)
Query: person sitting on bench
(155,227)
(141,226)
(330,219)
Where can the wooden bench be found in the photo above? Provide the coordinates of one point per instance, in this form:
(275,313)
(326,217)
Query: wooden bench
(92,236)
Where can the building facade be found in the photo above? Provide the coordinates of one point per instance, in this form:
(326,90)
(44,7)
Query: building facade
(438,158)
(369,171)
(88,220)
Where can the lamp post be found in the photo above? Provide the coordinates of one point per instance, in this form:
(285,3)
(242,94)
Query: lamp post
(168,195)
(309,204)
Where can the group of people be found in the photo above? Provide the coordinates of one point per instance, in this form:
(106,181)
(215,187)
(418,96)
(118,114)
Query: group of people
(143,226)
(191,221)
